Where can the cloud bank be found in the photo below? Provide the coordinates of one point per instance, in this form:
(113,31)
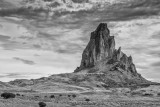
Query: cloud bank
(24,61)
(43,45)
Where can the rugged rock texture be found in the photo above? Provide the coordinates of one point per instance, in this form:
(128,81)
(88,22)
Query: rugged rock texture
(100,55)
(101,46)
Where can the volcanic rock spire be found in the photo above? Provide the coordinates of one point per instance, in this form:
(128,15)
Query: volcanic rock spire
(101,48)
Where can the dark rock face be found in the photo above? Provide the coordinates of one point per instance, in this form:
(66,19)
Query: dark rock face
(102,47)
(101,53)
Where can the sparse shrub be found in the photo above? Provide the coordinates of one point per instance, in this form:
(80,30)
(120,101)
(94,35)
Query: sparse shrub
(158,94)
(134,87)
(144,85)
(36,96)
(8,95)
(87,100)
(42,104)
(69,95)
(147,94)
(105,86)
(52,96)
(111,83)
(48,0)
(136,93)
(98,86)
(143,90)
(92,71)
(74,96)
(17,94)
(60,95)
(77,79)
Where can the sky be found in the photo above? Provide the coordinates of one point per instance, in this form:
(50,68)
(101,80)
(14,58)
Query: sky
(39,39)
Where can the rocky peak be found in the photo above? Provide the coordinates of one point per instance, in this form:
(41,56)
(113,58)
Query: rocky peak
(101,47)
(102,29)
(100,56)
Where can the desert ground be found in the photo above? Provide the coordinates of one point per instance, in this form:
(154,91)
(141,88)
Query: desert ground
(148,96)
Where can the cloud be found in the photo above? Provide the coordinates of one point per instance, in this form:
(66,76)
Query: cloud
(53,41)
(69,48)
(13,75)
(24,61)
(47,63)
(4,38)
(139,66)
(123,10)
(156,64)
(48,36)
(156,35)
(155,53)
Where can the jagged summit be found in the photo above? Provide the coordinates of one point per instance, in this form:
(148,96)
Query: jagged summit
(100,55)
(101,46)
(102,28)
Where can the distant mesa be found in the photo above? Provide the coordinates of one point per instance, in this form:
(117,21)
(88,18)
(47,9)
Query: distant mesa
(100,56)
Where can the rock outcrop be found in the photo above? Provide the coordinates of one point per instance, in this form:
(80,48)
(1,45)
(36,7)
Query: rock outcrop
(100,55)
(102,47)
